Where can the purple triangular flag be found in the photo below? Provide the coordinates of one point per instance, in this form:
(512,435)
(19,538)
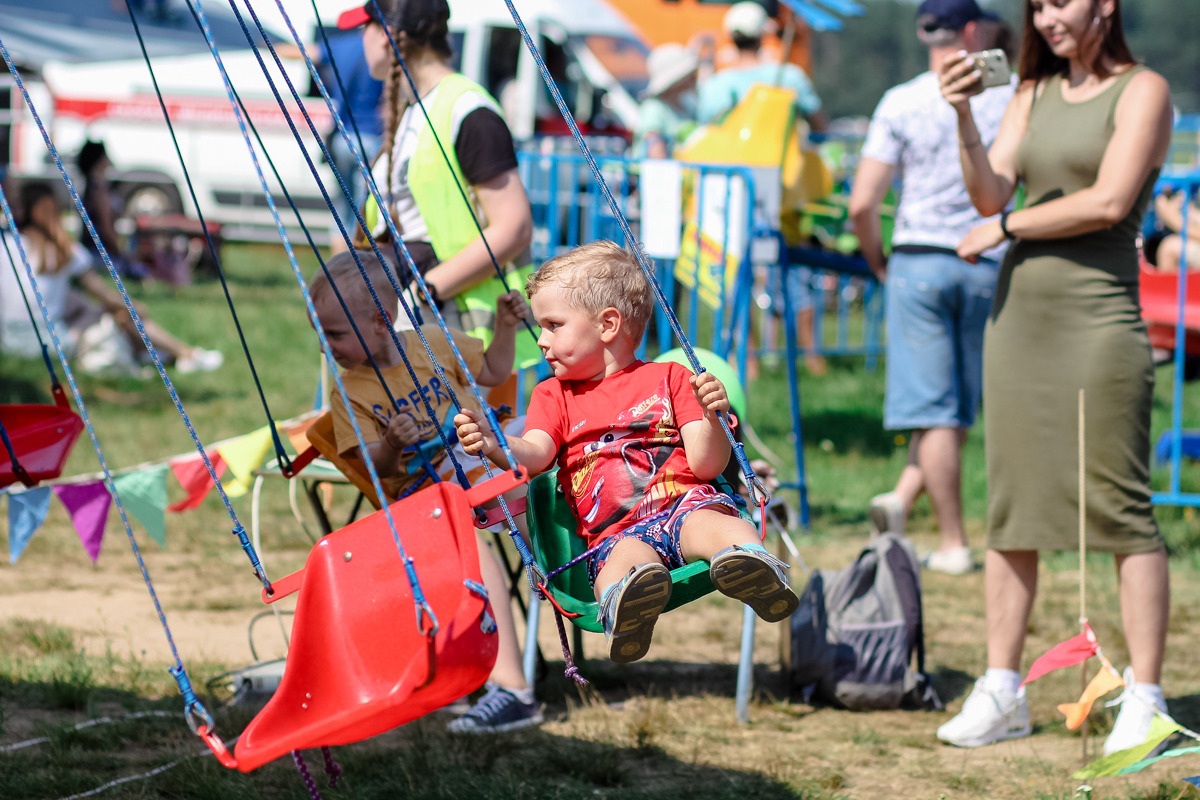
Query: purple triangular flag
(26,513)
(88,506)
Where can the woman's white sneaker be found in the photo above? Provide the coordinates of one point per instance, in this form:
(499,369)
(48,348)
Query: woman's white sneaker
(1133,721)
(988,716)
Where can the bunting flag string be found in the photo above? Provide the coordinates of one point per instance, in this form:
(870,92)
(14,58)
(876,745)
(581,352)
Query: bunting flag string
(143,488)
(1078,649)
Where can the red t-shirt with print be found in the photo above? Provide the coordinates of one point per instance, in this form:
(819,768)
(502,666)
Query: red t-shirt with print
(620,454)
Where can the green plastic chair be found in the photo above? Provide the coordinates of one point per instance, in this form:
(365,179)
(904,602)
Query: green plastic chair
(554,542)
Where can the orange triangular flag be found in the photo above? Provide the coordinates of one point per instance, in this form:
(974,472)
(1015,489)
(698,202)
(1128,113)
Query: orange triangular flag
(1105,681)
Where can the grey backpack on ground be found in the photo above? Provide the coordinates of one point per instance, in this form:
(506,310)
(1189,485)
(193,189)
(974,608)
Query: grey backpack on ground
(856,632)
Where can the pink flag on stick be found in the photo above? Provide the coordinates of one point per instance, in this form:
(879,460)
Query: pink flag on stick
(1075,650)
(88,505)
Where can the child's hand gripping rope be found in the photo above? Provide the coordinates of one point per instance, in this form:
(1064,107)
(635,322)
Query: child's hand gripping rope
(474,434)
(511,310)
(401,432)
(710,393)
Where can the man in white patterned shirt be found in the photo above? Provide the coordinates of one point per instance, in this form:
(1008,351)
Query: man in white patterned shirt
(937,304)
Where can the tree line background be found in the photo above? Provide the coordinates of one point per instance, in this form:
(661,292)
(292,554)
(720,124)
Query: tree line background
(852,68)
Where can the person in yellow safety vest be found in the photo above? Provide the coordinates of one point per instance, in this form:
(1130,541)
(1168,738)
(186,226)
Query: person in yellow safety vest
(417,181)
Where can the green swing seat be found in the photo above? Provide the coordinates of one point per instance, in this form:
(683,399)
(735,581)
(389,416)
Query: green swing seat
(554,542)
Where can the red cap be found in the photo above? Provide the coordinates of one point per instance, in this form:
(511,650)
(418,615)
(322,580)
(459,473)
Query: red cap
(356,17)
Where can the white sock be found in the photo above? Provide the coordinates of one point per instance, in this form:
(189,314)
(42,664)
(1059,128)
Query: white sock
(1151,693)
(1002,680)
(524,695)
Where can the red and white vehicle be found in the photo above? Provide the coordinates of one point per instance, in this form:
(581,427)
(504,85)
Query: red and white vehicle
(114,102)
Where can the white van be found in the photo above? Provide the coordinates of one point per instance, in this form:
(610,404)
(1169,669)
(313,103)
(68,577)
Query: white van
(593,53)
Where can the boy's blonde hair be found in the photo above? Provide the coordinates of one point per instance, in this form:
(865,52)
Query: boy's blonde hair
(600,275)
(344,272)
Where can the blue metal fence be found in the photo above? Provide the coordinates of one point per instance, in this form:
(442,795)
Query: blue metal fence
(1176,436)
(715,303)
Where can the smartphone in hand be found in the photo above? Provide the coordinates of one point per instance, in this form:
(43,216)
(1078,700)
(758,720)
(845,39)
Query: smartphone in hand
(992,66)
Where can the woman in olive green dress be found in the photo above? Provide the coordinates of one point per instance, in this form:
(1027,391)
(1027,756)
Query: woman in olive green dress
(1087,133)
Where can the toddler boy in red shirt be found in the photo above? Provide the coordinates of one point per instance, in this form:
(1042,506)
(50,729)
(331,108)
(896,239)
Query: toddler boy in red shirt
(637,444)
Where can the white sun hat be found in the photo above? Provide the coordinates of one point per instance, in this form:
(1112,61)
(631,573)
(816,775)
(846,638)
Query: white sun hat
(668,64)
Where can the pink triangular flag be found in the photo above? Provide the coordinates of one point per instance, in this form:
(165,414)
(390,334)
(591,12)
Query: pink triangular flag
(88,506)
(1075,650)
(194,478)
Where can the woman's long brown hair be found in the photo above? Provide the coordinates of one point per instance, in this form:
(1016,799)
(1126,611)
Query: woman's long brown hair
(57,240)
(1037,61)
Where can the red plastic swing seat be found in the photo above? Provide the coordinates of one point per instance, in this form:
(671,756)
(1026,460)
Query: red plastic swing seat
(359,664)
(42,437)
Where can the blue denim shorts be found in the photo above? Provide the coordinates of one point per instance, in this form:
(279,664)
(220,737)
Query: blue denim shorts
(799,289)
(937,309)
(661,530)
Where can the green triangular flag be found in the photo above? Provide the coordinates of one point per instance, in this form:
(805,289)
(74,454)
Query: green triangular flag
(1145,762)
(144,495)
(1160,729)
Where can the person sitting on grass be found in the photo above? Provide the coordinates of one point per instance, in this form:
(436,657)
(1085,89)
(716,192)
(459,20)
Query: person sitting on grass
(400,440)
(636,444)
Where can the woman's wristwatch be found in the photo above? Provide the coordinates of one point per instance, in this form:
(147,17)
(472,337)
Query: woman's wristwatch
(1004,225)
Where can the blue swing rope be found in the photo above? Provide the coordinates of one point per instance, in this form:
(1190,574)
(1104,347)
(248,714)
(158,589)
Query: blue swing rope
(402,251)
(427,622)
(193,710)
(281,455)
(55,385)
(259,570)
(459,472)
(533,571)
(758,491)
(287,470)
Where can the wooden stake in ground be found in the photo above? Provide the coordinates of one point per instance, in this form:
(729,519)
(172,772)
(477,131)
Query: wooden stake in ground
(1082,563)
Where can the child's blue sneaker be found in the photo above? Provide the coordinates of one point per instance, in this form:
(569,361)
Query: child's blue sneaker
(499,710)
(630,609)
(755,577)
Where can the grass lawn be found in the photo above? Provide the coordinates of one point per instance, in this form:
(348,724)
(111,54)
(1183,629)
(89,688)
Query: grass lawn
(79,641)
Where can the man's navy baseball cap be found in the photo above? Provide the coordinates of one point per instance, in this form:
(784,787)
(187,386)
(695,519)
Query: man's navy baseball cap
(951,15)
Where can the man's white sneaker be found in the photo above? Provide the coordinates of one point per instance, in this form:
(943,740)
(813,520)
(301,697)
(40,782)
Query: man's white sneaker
(1133,720)
(887,514)
(955,561)
(988,716)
